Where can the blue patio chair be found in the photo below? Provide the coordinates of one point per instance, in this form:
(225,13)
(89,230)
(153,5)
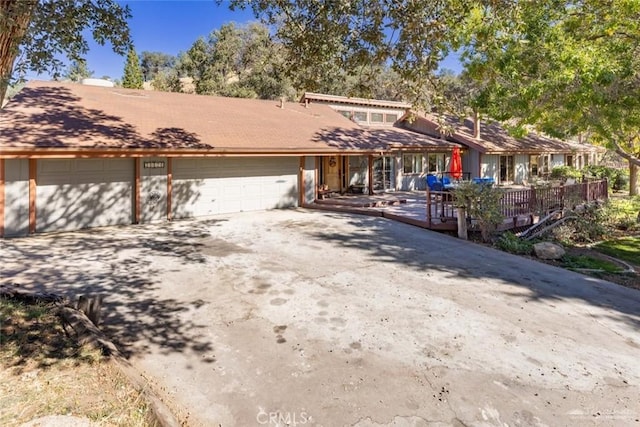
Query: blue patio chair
(433,183)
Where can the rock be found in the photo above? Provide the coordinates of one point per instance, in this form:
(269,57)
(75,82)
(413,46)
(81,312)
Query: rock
(548,250)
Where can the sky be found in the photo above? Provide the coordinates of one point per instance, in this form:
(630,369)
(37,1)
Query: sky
(164,26)
(172,26)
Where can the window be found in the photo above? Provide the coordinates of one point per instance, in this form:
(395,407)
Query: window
(412,163)
(390,118)
(376,117)
(360,116)
(436,163)
(544,164)
(533,162)
(569,161)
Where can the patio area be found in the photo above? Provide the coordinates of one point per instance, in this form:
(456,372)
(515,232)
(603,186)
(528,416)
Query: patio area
(435,210)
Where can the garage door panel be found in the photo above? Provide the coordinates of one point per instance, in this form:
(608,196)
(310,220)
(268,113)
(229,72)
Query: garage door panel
(83,193)
(226,185)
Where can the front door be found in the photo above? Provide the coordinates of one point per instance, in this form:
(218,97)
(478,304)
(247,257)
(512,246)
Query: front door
(382,172)
(331,172)
(506,169)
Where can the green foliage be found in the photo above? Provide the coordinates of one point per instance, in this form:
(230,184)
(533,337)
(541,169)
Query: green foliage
(40,33)
(579,262)
(328,43)
(167,81)
(564,67)
(623,213)
(627,249)
(564,172)
(587,224)
(511,243)
(153,63)
(618,179)
(77,71)
(482,204)
(132,78)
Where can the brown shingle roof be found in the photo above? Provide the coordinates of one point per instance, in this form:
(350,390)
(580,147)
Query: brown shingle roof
(53,116)
(493,137)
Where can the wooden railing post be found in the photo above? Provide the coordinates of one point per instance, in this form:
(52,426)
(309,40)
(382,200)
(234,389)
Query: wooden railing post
(428,207)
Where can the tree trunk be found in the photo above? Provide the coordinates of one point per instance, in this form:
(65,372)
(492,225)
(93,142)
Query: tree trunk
(633,179)
(14,21)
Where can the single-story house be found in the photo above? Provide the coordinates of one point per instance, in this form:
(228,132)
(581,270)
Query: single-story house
(491,152)
(75,156)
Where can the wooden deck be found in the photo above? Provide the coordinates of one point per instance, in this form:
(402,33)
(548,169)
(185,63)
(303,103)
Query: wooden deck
(435,210)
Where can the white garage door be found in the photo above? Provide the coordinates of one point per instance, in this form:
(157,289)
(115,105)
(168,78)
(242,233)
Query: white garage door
(83,193)
(223,185)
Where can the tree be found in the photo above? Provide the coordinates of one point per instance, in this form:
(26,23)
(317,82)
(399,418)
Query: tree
(34,32)
(565,68)
(153,63)
(354,38)
(237,61)
(77,71)
(132,78)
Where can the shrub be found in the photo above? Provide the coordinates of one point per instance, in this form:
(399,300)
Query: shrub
(564,172)
(482,203)
(618,178)
(511,243)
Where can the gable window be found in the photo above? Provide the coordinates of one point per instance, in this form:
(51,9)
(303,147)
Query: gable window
(390,118)
(412,163)
(360,116)
(376,117)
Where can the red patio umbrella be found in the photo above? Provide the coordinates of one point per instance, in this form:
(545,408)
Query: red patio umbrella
(456,164)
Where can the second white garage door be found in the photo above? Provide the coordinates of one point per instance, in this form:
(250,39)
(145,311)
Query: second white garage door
(224,185)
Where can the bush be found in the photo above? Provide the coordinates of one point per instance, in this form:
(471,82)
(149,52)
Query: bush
(564,172)
(511,243)
(618,178)
(622,213)
(482,203)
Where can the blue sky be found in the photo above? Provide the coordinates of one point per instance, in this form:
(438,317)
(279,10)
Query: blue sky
(171,26)
(164,26)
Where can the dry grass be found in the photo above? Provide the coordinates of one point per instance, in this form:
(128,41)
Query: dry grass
(44,372)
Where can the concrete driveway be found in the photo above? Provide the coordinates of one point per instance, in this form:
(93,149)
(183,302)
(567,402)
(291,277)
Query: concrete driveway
(309,318)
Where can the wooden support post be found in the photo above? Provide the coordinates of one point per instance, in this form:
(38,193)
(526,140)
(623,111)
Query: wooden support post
(169,187)
(301,182)
(136,194)
(32,195)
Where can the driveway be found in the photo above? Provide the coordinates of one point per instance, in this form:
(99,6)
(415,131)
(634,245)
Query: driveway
(309,318)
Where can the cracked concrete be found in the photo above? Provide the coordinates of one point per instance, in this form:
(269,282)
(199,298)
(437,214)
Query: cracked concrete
(310,318)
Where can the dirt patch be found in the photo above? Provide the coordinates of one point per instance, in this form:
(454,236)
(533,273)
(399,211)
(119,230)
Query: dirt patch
(44,372)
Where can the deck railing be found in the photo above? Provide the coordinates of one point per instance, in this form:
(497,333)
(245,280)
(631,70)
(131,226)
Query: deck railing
(521,202)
